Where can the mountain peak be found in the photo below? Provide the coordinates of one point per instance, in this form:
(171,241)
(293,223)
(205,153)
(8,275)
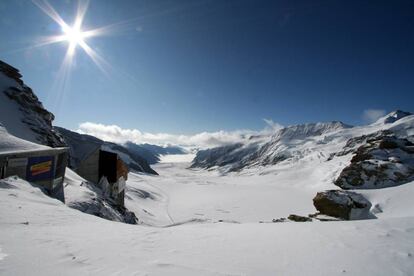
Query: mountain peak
(393,117)
(310,129)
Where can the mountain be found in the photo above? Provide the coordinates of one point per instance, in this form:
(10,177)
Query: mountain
(81,145)
(164,150)
(21,112)
(287,143)
(364,157)
(151,157)
(152,153)
(393,117)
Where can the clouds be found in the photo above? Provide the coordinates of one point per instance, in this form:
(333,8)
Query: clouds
(371,115)
(271,125)
(116,134)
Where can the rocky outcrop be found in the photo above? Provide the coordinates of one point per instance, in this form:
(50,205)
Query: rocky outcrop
(342,204)
(383,160)
(11,72)
(29,120)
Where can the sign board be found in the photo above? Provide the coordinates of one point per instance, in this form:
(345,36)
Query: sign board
(40,168)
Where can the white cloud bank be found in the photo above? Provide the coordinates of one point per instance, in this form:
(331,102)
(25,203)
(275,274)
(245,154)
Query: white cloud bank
(116,134)
(371,115)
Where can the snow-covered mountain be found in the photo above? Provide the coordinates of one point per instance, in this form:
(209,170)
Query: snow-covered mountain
(380,153)
(152,153)
(287,143)
(81,145)
(21,112)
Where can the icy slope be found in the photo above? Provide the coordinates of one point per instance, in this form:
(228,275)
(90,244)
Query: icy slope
(42,236)
(22,113)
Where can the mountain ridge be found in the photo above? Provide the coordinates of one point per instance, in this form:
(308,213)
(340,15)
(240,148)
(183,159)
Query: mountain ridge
(295,143)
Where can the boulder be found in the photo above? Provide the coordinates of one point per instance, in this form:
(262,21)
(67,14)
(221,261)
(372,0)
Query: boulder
(342,204)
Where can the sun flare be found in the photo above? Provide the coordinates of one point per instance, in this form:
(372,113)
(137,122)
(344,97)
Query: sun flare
(73,35)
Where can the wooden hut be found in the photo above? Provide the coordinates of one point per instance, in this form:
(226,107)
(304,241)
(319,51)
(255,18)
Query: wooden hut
(38,164)
(107,170)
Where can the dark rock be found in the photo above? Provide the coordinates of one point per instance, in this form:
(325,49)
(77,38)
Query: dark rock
(37,119)
(342,204)
(387,144)
(279,220)
(128,216)
(299,218)
(11,72)
(383,160)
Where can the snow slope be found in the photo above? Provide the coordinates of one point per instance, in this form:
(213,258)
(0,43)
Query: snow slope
(10,143)
(42,236)
(86,197)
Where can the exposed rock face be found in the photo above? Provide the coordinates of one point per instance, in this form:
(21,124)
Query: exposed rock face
(383,160)
(28,119)
(342,204)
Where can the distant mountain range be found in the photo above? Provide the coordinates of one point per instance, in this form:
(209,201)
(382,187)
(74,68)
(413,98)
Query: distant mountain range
(152,153)
(265,150)
(373,156)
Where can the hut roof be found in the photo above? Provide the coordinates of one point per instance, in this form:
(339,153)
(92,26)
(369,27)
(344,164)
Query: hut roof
(10,144)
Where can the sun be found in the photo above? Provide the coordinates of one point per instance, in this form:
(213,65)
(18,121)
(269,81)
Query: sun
(73,35)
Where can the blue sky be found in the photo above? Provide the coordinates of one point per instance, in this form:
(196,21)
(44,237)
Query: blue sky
(193,66)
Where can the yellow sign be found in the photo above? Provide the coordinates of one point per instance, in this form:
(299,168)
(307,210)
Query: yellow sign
(40,168)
